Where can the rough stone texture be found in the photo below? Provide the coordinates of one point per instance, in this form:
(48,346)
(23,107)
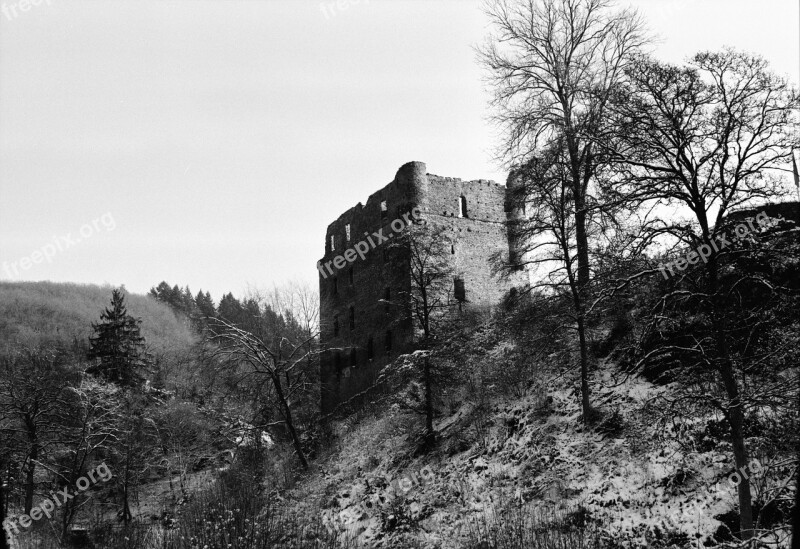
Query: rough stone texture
(477,236)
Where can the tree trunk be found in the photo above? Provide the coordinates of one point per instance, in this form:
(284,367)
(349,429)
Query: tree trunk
(126,508)
(287,415)
(735,415)
(585,403)
(736,422)
(581,242)
(582,245)
(430,434)
(4,534)
(796,511)
(298,447)
(30,474)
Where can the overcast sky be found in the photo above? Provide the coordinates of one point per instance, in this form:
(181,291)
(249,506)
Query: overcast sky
(210,143)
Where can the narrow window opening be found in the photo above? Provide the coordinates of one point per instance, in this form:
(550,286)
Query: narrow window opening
(459,291)
(452,249)
(462,206)
(333,243)
(350,275)
(353,358)
(388,342)
(352,318)
(384,210)
(335,285)
(370,349)
(347,231)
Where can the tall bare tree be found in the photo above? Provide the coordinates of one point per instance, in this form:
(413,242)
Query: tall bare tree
(553,65)
(430,297)
(707,138)
(275,356)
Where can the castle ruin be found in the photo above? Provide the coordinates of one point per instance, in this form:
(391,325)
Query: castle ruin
(358,324)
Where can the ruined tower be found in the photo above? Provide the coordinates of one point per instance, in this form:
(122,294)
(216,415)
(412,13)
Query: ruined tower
(361,274)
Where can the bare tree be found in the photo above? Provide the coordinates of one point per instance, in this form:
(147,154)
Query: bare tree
(33,390)
(90,427)
(553,65)
(430,298)
(708,138)
(297,300)
(276,358)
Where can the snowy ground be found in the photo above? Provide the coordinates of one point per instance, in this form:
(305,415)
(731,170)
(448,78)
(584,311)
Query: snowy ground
(640,483)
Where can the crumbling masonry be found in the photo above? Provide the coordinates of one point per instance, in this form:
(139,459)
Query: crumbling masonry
(358,319)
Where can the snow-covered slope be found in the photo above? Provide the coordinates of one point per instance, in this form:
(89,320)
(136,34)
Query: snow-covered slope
(634,479)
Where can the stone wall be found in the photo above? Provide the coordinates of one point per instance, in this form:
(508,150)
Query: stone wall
(479,233)
(472,211)
(381,268)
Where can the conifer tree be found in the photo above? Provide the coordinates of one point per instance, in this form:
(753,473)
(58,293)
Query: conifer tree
(118,346)
(205,305)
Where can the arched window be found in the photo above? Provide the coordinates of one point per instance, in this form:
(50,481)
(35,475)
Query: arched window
(462,206)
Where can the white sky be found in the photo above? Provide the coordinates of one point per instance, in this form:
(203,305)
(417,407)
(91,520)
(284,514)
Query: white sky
(219,138)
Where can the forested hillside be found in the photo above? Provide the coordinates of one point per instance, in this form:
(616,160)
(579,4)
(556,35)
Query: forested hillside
(47,314)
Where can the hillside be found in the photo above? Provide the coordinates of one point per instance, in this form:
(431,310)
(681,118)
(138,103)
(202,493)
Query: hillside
(36,314)
(520,470)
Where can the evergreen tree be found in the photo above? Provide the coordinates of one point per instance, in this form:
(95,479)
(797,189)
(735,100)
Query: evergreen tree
(205,305)
(230,309)
(118,347)
(188,304)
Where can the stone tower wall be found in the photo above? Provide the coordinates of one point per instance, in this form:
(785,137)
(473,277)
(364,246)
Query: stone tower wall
(476,237)
(382,267)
